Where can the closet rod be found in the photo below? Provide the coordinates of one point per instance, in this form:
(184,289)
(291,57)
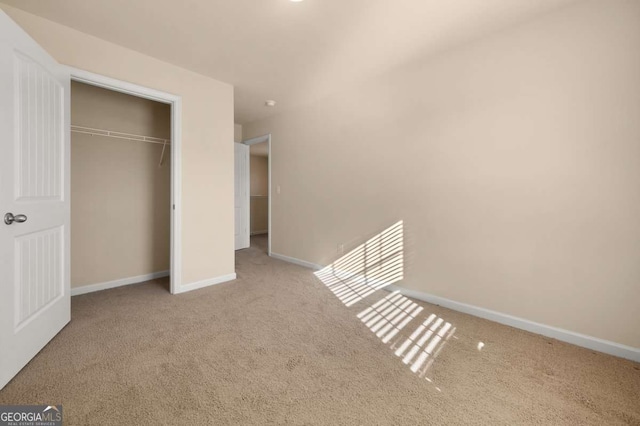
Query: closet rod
(120,135)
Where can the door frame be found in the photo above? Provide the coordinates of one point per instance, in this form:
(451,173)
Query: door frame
(175,102)
(253,141)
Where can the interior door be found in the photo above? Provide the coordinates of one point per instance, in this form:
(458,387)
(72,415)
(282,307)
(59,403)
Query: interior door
(242,195)
(34,198)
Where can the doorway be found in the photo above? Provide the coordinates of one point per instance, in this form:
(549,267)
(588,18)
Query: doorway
(146,159)
(120,189)
(260,192)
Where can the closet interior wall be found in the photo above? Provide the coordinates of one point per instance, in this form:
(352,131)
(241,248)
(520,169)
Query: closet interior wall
(120,195)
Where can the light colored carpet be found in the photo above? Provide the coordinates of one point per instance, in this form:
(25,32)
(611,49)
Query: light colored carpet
(277,346)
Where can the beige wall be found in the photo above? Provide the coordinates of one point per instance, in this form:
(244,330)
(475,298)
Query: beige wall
(237,133)
(259,175)
(207,132)
(259,191)
(513,161)
(120,198)
(100,108)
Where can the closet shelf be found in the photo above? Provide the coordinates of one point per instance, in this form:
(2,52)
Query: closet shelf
(120,135)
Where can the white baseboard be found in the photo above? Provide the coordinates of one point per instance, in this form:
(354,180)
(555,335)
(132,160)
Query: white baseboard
(583,340)
(75,291)
(296,261)
(259,232)
(206,283)
(577,339)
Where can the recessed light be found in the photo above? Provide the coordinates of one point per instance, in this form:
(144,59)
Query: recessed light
(271,103)
(295,1)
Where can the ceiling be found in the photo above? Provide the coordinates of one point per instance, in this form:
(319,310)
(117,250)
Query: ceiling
(291,52)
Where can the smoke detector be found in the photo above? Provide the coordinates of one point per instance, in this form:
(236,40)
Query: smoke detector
(270,103)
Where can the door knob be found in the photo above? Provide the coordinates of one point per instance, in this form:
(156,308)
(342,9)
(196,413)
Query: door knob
(9,218)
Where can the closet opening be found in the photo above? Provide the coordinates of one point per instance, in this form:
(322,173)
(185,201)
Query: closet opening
(124,201)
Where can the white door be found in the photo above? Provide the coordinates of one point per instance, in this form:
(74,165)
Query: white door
(242,195)
(34,186)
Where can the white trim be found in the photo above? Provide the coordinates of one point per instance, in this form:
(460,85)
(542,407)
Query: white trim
(257,140)
(259,232)
(269,215)
(176,195)
(260,139)
(295,261)
(76,291)
(582,340)
(121,86)
(577,339)
(176,153)
(206,283)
